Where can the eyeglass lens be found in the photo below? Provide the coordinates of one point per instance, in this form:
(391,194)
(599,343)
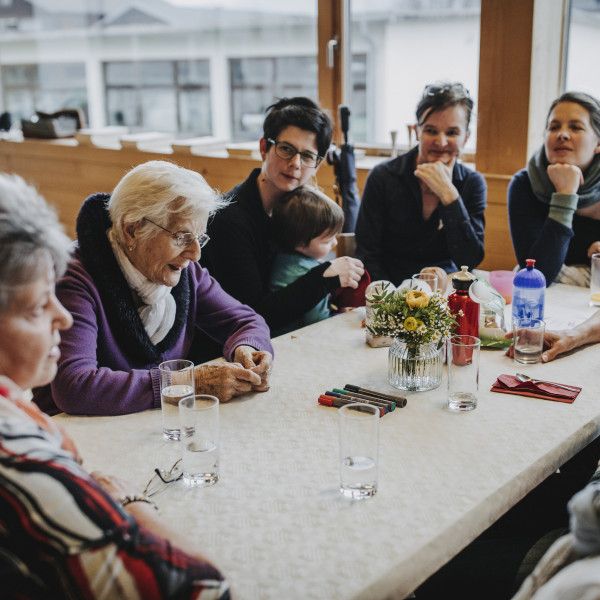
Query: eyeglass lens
(186,239)
(162,478)
(287,152)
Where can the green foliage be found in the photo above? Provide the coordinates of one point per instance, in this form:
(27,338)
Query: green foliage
(398,314)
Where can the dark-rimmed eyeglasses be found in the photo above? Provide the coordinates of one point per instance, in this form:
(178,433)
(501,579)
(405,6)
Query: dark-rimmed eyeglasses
(183,239)
(161,479)
(287,152)
(435,89)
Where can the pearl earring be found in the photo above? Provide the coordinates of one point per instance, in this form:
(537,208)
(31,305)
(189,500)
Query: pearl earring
(130,248)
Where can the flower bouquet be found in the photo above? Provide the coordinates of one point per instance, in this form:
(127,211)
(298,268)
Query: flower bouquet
(418,322)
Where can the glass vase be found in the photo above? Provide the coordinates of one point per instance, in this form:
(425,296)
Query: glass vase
(415,367)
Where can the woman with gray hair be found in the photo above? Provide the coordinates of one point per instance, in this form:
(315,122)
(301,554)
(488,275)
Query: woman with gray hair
(138,296)
(65,533)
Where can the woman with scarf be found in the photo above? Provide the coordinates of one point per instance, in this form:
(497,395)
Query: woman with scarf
(554,204)
(138,297)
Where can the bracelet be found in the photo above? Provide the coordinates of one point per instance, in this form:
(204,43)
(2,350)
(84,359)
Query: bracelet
(129,498)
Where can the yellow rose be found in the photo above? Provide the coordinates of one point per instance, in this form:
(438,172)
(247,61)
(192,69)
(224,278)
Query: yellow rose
(410,324)
(417,299)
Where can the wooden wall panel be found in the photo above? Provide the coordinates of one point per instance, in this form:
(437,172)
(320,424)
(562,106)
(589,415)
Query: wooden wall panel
(66,174)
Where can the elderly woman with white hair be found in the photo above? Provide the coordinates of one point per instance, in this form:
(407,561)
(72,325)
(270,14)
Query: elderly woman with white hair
(138,296)
(66,533)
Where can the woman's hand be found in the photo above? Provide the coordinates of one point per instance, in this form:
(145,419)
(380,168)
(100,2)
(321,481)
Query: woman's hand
(349,270)
(225,380)
(258,361)
(555,343)
(438,178)
(593,249)
(565,178)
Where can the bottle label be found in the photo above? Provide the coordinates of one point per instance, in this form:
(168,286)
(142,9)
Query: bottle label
(528,303)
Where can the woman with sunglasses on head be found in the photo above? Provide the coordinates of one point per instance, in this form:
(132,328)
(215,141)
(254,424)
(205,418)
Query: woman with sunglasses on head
(554,204)
(424,209)
(296,136)
(138,297)
(63,532)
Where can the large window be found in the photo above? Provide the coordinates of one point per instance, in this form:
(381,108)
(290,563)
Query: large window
(188,66)
(583,47)
(405,45)
(170,96)
(257,82)
(43,87)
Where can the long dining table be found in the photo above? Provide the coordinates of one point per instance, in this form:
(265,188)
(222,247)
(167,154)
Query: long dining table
(276,524)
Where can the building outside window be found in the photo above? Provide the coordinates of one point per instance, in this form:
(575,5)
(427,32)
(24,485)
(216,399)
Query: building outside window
(258,82)
(170,96)
(43,87)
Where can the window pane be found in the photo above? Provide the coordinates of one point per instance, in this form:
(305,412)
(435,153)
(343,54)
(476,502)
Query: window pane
(159,109)
(156,73)
(19,75)
(120,73)
(584,43)
(258,82)
(252,71)
(249,107)
(20,104)
(193,72)
(404,45)
(194,110)
(47,87)
(122,108)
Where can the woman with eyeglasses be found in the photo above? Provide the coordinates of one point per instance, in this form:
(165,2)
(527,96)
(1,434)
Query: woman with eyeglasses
(138,297)
(425,209)
(63,532)
(554,204)
(296,136)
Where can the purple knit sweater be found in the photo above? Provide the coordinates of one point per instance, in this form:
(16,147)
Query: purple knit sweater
(108,364)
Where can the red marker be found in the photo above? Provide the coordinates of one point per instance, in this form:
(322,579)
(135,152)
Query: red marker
(387,408)
(338,402)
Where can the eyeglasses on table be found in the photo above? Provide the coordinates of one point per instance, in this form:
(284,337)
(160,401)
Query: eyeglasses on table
(161,479)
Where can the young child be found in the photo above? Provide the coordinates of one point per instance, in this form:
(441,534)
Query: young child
(306,223)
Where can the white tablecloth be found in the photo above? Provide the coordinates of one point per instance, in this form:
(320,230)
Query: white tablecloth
(276,524)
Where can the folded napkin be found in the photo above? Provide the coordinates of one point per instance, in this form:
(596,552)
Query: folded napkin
(509,384)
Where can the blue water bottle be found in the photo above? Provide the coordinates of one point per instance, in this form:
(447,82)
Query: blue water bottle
(529,292)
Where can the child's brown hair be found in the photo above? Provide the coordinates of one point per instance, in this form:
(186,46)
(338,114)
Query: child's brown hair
(304,214)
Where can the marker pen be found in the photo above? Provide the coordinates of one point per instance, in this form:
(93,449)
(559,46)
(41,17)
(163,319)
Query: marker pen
(338,402)
(400,402)
(372,401)
(389,403)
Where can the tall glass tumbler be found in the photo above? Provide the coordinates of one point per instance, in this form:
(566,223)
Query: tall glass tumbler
(199,416)
(359,447)
(176,382)
(463,372)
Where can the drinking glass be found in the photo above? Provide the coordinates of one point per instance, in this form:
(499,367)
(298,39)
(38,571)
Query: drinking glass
(431,279)
(463,372)
(528,336)
(359,445)
(176,381)
(595,280)
(502,282)
(199,416)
